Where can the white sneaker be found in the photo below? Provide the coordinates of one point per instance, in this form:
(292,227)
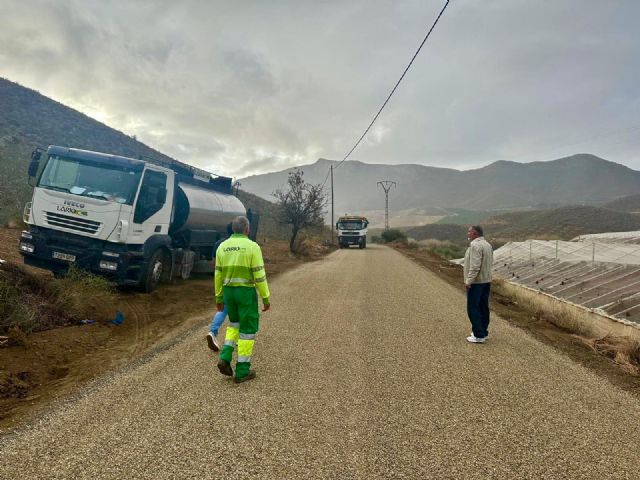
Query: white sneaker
(474,339)
(486,338)
(213,342)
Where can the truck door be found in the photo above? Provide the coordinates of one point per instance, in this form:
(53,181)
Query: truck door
(152,212)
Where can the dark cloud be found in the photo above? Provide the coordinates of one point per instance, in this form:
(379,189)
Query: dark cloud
(249,87)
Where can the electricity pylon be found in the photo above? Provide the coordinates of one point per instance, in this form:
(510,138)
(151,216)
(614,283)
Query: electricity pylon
(386,186)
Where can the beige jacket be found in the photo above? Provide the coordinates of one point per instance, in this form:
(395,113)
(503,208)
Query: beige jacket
(478,262)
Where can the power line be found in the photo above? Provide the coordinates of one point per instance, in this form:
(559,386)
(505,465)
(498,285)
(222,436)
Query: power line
(326,178)
(395,87)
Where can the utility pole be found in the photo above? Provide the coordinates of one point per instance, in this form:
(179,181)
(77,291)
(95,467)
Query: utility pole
(331,226)
(386,186)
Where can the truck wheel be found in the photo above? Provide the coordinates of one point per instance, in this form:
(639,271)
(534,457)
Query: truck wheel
(153,272)
(361,244)
(364,243)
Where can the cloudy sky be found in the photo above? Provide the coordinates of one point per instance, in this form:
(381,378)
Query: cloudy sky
(244,87)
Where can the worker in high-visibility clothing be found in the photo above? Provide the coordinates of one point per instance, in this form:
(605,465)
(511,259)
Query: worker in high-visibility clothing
(239,272)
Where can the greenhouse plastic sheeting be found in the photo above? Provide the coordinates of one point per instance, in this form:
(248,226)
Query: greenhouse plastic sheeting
(611,237)
(601,276)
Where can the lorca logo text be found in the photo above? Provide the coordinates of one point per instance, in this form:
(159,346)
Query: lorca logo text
(234,249)
(74,211)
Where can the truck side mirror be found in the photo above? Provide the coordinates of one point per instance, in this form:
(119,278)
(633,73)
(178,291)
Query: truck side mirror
(34,165)
(336,226)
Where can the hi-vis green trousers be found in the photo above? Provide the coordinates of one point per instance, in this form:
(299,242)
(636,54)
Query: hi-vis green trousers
(242,305)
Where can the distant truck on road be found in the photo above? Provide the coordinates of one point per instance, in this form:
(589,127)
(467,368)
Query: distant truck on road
(352,230)
(132,221)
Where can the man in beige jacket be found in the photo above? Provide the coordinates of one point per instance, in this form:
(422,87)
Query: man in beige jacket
(478,262)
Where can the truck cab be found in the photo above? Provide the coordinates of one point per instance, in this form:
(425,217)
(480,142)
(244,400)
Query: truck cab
(352,230)
(132,221)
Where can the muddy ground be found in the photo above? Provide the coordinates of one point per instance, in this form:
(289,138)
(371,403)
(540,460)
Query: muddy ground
(571,345)
(52,364)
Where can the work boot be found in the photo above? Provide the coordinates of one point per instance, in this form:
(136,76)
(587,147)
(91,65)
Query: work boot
(250,376)
(225,368)
(212,341)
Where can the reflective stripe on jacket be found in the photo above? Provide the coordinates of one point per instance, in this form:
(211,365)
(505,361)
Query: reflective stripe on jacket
(478,262)
(239,264)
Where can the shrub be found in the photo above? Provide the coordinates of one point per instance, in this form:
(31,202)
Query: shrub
(393,235)
(444,248)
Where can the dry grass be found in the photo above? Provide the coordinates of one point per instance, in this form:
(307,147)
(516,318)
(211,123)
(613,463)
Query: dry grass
(624,351)
(30,302)
(620,343)
(84,295)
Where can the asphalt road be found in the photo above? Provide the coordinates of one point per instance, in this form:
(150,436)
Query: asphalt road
(363,372)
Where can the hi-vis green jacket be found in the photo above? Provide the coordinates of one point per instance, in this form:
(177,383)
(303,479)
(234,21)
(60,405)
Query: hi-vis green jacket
(239,264)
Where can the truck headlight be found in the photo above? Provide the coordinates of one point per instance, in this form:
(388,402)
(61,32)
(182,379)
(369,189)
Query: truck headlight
(27,247)
(26,214)
(111,266)
(111,254)
(26,235)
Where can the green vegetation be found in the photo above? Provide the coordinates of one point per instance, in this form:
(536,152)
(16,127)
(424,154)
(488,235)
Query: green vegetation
(461,216)
(444,248)
(30,302)
(629,204)
(437,231)
(393,235)
(562,223)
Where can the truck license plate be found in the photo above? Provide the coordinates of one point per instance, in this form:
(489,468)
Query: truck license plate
(64,256)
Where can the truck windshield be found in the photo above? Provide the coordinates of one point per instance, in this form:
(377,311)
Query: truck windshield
(114,183)
(350,225)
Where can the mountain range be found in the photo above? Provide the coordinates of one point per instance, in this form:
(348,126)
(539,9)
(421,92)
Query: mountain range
(581,179)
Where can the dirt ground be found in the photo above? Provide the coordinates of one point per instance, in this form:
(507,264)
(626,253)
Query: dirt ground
(54,363)
(546,332)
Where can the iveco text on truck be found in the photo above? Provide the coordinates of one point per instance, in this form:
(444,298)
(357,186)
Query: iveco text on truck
(352,230)
(132,221)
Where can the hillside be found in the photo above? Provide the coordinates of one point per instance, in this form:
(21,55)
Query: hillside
(629,204)
(29,119)
(562,223)
(269,226)
(460,216)
(437,231)
(579,179)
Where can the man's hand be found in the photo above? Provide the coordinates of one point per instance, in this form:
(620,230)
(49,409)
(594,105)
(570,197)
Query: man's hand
(266,307)
(220,306)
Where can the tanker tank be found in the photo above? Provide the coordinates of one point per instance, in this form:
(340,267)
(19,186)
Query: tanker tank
(199,208)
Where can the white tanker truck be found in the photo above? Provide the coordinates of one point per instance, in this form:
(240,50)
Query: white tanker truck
(132,221)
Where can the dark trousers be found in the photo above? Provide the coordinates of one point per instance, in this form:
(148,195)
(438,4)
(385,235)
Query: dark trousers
(478,308)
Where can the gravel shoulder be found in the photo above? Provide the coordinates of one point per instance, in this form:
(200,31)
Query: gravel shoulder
(363,372)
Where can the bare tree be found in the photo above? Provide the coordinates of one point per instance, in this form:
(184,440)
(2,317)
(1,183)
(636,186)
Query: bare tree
(301,204)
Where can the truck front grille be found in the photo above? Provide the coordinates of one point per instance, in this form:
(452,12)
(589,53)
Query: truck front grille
(73,223)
